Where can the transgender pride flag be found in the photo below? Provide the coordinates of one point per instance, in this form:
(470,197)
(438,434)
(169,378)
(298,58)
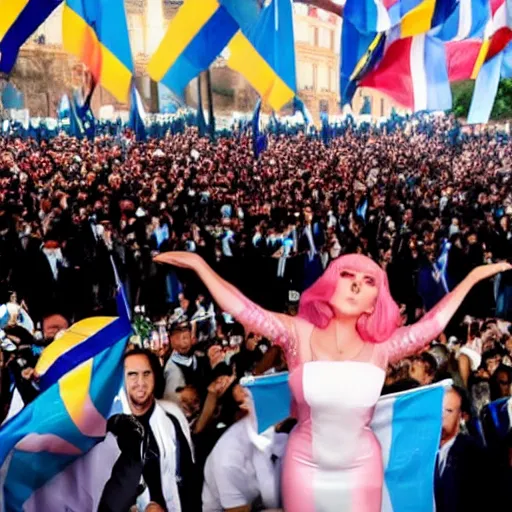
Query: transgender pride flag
(407,425)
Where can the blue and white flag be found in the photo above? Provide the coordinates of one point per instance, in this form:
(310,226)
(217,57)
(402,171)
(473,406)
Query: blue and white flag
(137,115)
(407,425)
(467,20)
(64,107)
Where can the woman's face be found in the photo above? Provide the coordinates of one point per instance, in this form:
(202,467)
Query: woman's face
(355,294)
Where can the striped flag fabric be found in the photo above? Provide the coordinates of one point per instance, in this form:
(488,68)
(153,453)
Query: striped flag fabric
(90,33)
(495,54)
(464,59)
(370,26)
(19,19)
(413,71)
(264,54)
(195,37)
(79,343)
(407,425)
(80,375)
(411,16)
(359,55)
(484,93)
(467,20)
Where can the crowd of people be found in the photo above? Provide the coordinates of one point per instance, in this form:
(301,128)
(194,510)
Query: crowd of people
(76,214)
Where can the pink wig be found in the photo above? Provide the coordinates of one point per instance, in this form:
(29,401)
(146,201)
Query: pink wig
(315,304)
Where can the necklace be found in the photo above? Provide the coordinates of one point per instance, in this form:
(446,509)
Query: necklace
(338,341)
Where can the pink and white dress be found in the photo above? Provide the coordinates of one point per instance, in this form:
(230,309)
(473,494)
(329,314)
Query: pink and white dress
(333,461)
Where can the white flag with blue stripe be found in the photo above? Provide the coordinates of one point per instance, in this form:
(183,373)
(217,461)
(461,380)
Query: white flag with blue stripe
(407,425)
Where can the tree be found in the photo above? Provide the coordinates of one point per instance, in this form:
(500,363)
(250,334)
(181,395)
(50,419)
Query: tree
(463,93)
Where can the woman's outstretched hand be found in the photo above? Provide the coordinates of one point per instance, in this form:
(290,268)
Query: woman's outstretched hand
(180,259)
(485,271)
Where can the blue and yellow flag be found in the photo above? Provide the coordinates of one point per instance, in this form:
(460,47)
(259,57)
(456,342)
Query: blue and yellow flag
(264,54)
(18,21)
(359,54)
(96,32)
(195,37)
(81,373)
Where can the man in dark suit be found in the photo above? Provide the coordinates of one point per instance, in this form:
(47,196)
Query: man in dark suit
(463,469)
(311,244)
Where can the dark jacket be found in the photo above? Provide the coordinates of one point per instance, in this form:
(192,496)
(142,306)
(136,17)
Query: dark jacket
(123,487)
(463,486)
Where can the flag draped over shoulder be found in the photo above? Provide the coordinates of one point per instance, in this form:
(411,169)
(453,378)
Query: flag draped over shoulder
(81,374)
(264,53)
(407,425)
(96,31)
(18,21)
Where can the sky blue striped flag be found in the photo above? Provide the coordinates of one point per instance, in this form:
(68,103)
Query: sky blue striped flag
(407,425)
(486,85)
(467,20)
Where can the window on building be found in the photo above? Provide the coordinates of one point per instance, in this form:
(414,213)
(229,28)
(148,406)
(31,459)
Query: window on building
(301,31)
(382,107)
(323,78)
(305,76)
(325,38)
(323,106)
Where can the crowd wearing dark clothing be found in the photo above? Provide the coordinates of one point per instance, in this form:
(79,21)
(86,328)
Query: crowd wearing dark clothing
(426,210)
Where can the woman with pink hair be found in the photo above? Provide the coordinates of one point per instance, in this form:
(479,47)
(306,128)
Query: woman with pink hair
(337,350)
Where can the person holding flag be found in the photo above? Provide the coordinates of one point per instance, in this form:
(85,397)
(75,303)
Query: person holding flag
(337,350)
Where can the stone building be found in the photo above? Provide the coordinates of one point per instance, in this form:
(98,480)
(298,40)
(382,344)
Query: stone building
(44,71)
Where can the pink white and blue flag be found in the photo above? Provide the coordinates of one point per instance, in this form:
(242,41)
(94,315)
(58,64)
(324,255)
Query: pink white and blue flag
(407,425)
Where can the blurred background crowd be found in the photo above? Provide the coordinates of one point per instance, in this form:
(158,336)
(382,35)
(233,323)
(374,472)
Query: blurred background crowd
(426,210)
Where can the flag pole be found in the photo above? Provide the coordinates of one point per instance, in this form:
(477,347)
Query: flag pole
(211,119)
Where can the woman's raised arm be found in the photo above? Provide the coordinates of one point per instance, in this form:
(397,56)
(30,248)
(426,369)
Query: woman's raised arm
(276,327)
(410,339)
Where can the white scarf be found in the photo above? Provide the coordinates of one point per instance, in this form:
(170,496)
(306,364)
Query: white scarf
(188,361)
(165,435)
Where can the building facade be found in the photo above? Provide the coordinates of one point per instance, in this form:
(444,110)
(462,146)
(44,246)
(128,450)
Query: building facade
(44,71)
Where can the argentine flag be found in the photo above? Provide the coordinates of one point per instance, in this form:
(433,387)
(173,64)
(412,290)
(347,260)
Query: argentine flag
(407,425)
